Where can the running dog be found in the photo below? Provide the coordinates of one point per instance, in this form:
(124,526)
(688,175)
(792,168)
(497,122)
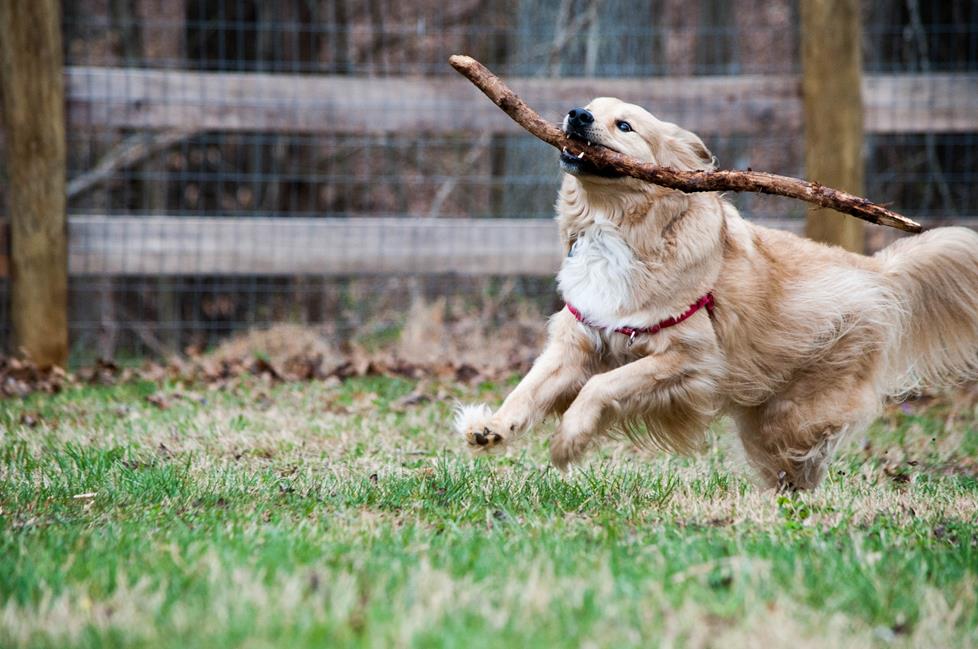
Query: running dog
(678,310)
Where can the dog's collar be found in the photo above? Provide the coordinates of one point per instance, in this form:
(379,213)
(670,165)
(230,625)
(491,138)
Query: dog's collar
(706,301)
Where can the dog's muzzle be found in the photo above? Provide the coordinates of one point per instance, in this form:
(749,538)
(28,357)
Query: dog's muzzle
(578,122)
(578,126)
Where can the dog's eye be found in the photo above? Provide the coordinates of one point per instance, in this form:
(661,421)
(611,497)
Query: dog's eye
(623,126)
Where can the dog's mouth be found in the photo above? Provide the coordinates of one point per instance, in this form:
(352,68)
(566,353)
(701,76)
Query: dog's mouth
(578,165)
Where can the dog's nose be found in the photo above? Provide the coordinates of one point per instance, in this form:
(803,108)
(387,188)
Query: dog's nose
(579,118)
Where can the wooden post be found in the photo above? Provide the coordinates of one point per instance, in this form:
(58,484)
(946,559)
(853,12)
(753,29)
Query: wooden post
(832,89)
(32,85)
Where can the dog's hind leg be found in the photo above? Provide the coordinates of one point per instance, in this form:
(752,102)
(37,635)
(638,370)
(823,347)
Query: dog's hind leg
(790,441)
(799,466)
(557,375)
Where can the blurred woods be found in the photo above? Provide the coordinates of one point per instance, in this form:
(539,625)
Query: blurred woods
(406,172)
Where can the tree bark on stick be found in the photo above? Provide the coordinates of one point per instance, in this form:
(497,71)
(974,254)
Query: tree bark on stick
(687,181)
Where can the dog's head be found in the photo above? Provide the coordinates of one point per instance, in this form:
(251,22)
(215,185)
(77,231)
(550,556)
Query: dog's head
(631,130)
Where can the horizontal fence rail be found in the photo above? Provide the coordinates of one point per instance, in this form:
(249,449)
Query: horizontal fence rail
(193,101)
(101,245)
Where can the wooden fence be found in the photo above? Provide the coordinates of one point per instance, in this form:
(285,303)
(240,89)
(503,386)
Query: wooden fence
(153,246)
(161,100)
(135,98)
(179,103)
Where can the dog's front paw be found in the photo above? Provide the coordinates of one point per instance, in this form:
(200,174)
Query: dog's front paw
(474,423)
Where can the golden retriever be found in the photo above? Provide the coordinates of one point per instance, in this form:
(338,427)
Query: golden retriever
(679,310)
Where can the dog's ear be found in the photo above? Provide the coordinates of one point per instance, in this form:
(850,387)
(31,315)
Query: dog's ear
(689,152)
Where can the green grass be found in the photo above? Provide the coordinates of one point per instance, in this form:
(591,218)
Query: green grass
(311,515)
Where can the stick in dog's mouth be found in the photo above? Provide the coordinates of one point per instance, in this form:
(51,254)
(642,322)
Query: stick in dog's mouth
(578,163)
(613,162)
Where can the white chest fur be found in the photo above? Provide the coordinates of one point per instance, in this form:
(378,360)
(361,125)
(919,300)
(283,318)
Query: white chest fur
(598,276)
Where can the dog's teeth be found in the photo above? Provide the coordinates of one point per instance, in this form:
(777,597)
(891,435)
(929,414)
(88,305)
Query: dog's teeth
(564,150)
(580,156)
(589,142)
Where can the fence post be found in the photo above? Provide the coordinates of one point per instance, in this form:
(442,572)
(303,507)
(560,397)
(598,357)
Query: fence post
(32,85)
(832,89)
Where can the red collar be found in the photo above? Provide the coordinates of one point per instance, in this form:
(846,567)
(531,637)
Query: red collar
(705,301)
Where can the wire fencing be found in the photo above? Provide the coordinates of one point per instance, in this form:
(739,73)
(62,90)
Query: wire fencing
(234,163)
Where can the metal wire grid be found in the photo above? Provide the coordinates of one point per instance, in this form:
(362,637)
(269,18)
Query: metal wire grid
(929,175)
(285,174)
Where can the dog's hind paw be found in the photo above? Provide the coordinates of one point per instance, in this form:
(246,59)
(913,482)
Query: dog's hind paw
(474,423)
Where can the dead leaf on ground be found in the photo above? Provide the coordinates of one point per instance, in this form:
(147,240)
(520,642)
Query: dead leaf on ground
(160,400)
(415,398)
(30,419)
(479,346)
(19,377)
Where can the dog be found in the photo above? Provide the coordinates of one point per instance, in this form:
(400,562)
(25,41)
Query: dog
(678,311)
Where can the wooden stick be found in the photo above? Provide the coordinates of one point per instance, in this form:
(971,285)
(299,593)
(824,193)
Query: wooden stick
(687,181)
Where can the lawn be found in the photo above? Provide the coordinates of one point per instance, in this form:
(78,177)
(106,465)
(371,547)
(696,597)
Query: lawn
(346,514)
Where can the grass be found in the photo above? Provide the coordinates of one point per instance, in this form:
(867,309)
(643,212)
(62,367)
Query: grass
(304,515)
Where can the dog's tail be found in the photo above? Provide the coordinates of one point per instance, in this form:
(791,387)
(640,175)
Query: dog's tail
(934,277)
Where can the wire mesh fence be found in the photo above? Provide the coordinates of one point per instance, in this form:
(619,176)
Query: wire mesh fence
(343,159)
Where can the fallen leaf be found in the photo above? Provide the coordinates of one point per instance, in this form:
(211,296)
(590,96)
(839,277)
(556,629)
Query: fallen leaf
(30,419)
(159,400)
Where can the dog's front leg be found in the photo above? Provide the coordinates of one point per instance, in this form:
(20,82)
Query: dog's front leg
(551,384)
(674,388)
